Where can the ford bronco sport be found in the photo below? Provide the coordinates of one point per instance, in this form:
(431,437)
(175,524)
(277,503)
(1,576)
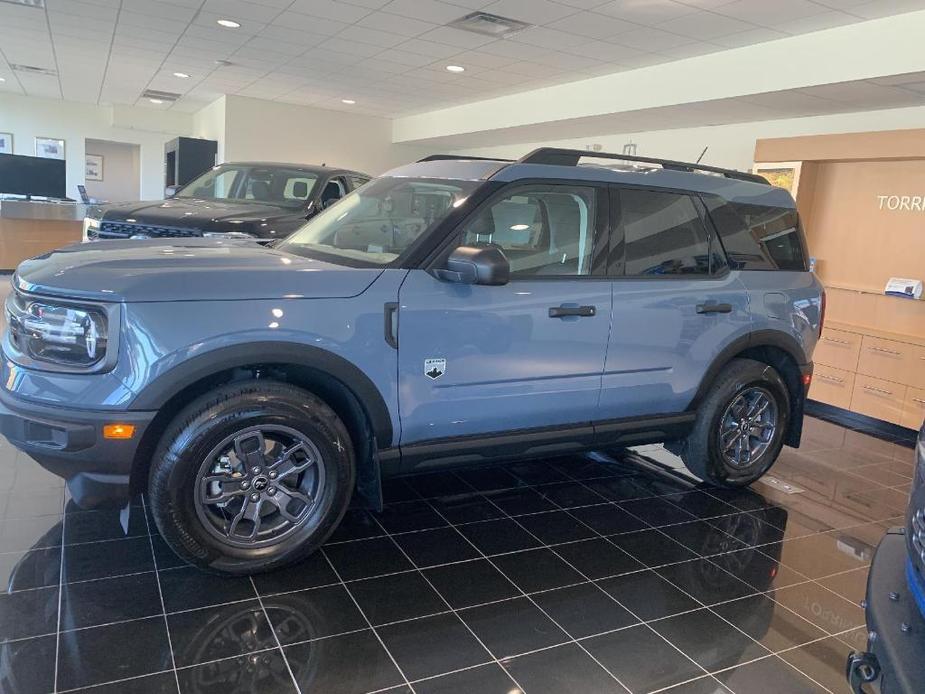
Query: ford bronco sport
(455,310)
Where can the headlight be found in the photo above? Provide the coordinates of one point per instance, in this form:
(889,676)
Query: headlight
(234,235)
(44,331)
(91,229)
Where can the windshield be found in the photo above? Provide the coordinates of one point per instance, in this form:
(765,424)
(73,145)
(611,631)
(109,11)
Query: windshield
(380,221)
(268,184)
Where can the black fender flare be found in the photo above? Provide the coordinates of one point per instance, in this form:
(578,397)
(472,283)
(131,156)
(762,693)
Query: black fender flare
(209,363)
(758,338)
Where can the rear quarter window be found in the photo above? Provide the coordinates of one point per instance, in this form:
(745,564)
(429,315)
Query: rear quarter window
(758,237)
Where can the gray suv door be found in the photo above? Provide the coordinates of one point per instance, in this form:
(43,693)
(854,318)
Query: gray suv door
(676,303)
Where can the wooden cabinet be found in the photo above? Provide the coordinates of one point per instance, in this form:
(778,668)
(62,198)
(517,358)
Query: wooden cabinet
(878,399)
(888,360)
(838,349)
(881,375)
(914,408)
(833,386)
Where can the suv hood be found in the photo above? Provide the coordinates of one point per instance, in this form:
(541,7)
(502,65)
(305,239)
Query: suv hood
(194,213)
(186,270)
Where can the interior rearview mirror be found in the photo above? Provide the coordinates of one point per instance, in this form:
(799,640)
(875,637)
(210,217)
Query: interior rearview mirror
(485,265)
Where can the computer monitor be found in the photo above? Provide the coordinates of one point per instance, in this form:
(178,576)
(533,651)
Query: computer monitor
(32,176)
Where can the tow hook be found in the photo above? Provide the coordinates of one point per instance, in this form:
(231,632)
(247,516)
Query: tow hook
(862,668)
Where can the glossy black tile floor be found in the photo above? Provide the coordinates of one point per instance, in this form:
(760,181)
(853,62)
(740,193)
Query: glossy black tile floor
(592,574)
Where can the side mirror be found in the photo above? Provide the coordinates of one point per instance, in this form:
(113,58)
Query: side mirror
(329,202)
(170,191)
(485,265)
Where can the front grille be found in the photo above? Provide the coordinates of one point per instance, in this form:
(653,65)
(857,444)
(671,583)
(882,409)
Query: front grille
(916,531)
(127,230)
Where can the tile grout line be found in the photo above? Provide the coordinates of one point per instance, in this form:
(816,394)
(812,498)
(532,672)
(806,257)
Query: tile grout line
(160,593)
(594,583)
(60,590)
(279,645)
(366,619)
(452,609)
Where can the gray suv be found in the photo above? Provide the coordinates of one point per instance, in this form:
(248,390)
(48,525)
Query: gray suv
(453,311)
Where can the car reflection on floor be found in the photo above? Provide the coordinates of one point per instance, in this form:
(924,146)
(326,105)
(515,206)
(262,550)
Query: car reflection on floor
(558,575)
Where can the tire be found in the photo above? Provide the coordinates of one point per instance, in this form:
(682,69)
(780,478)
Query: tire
(741,382)
(210,487)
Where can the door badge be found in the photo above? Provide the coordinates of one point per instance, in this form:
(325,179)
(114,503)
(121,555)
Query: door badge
(434,368)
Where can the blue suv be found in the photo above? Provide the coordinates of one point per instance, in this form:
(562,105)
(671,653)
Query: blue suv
(454,311)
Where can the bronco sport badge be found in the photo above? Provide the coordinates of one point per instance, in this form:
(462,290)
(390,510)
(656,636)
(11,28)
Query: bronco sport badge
(434,368)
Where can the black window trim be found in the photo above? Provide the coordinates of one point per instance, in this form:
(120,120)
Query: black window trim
(600,242)
(616,232)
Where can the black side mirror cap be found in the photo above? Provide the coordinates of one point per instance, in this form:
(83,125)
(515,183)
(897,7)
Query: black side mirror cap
(486,265)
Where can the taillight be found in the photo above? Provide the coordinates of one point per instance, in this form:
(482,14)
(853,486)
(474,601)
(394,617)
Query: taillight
(822,312)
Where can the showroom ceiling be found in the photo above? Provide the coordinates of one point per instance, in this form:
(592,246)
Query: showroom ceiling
(387,56)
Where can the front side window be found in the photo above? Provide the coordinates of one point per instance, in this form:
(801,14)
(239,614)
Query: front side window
(663,234)
(262,184)
(547,231)
(376,224)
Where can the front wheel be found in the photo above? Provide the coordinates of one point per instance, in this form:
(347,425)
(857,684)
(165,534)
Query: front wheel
(740,425)
(250,477)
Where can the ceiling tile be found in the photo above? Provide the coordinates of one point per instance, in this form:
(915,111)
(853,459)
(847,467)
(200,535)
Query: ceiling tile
(592,24)
(426,10)
(649,12)
(531,11)
(651,39)
(770,13)
(328,9)
(456,37)
(705,25)
(404,26)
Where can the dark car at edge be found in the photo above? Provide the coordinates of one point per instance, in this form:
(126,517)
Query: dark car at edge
(895,602)
(234,200)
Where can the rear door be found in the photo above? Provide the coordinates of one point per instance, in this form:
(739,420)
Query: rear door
(676,303)
(476,360)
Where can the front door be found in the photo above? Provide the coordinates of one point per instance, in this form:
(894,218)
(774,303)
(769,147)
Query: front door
(676,303)
(477,360)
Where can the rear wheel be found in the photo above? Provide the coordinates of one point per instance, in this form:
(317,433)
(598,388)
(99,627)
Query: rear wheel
(740,425)
(251,477)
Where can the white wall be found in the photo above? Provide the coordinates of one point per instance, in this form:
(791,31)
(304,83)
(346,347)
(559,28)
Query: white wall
(121,171)
(269,131)
(28,117)
(209,123)
(731,146)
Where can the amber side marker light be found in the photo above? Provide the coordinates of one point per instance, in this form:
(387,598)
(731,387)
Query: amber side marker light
(807,379)
(118,431)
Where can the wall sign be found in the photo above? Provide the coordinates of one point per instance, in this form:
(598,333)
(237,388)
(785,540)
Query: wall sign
(909,203)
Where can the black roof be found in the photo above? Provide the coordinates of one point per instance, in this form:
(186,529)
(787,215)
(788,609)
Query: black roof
(314,168)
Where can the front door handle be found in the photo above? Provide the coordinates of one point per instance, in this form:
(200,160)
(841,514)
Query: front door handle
(714,308)
(566,311)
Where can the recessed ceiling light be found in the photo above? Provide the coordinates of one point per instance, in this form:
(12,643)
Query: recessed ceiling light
(181,75)
(156,101)
(455,68)
(349,102)
(228,23)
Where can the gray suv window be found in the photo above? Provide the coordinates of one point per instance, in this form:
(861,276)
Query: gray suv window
(663,234)
(544,231)
(758,237)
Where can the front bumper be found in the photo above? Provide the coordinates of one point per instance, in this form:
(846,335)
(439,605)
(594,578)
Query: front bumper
(70,444)
(896,628)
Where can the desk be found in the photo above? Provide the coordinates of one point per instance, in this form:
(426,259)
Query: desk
(29,228)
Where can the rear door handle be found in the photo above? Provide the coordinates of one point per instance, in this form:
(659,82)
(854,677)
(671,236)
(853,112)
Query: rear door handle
(565,311)
(714,308)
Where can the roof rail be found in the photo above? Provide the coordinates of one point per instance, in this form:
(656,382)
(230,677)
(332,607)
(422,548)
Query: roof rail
(571,157)
(452,157)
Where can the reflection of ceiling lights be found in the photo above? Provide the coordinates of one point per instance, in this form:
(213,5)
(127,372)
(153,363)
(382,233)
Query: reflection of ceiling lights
(455,68)
(228,23)
(33,70)
(223,63)
(520,227)
(156,101)
(349,102)
(181,75)
(158,97)
(37,4)
(2,79)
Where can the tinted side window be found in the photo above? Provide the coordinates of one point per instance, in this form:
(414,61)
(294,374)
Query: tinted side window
(758,237)
(548,231)
(357,181)
(663,234)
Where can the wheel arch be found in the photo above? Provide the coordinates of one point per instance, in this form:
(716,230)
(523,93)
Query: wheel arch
(777,349)
(340,383)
